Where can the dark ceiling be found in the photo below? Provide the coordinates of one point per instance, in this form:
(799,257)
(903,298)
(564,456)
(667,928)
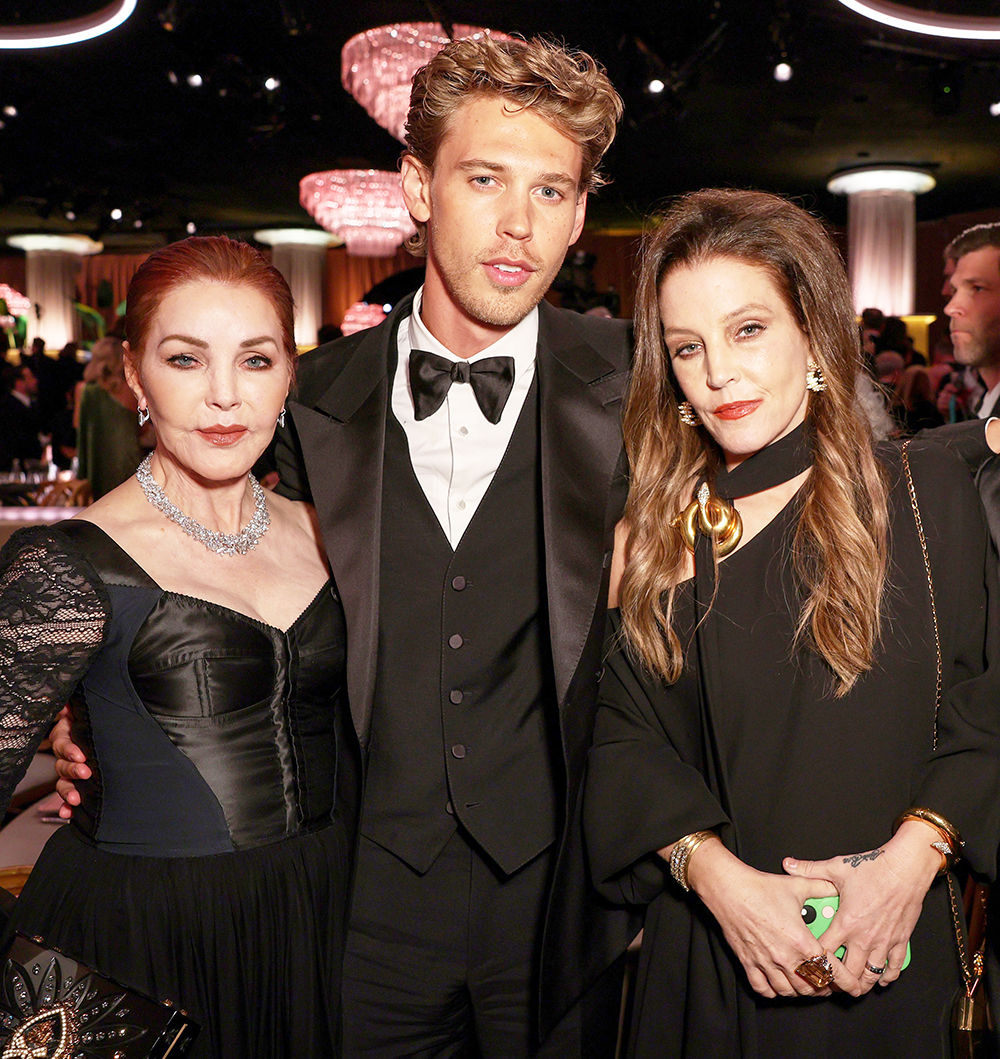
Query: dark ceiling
(114,123)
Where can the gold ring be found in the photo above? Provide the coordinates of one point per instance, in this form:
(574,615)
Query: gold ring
(817,971)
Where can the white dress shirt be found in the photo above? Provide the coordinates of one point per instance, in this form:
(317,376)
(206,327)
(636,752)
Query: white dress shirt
(989,402)
(456,451)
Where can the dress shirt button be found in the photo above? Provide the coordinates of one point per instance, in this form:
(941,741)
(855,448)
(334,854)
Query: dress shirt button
(456,696)
(463,431)
(458,583)
(458,750)
(455,642)
(461,505)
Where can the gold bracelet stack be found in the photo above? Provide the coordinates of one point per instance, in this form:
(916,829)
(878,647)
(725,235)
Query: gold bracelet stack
(951,844)
(680,855)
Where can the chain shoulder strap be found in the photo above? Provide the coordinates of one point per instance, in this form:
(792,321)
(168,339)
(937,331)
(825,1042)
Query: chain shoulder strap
(930,585)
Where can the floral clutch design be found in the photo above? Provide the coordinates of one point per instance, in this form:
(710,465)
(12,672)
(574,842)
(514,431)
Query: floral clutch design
(52,1007)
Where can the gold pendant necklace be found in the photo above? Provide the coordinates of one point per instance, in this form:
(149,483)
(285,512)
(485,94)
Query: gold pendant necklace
(714,517)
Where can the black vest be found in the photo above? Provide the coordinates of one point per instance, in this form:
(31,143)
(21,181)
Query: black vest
(465,725)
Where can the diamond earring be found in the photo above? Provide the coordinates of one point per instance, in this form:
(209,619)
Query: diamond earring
(143,416)
(815,379)
(281,418)
(689,417)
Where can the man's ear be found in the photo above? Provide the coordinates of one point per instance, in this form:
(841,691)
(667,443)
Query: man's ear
(581,216)
(416,188)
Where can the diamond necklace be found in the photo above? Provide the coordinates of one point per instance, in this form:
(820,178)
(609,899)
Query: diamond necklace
(223,543)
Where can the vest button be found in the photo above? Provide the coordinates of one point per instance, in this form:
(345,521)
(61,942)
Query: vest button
(458,750)
(456,697)
(455,642)
(458,583)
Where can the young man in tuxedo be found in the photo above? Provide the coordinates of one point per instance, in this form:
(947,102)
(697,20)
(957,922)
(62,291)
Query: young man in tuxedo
(465,461)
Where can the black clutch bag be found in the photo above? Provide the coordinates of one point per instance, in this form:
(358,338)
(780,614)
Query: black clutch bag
(53,1007)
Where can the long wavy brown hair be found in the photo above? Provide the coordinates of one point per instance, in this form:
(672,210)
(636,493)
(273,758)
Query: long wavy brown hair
(840,546)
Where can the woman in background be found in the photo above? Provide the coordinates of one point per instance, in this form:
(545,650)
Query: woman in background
(108,446)
(783,682)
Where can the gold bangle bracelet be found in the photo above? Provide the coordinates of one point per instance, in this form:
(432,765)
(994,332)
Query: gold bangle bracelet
(950,846)
(680,855)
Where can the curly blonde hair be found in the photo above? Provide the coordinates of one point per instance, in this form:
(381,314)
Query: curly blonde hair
(840,547)
(566,87)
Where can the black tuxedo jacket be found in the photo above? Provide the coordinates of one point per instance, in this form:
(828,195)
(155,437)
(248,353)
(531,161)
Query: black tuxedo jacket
(331,452)
(968,440)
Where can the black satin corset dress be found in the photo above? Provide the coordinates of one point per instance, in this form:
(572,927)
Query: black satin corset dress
(232,720)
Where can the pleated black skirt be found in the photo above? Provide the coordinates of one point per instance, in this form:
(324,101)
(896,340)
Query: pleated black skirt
(249,943)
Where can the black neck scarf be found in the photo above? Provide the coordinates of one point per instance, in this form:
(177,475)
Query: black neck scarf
(779,462)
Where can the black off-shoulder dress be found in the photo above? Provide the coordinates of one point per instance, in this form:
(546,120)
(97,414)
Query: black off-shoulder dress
(208,863)
(780,767)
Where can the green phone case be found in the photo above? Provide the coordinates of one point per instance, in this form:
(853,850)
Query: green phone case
(817,913)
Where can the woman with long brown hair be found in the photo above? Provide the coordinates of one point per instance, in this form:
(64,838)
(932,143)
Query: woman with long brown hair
(802,666)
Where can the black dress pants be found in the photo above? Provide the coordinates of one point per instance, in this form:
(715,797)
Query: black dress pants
(445,964)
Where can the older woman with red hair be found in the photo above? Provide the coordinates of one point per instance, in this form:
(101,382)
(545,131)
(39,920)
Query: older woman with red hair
(190,620)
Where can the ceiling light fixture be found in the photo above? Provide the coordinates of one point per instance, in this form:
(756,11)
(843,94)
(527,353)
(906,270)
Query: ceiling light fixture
(364,207)
(934,24)
(995,109)
(71,31)
(116,214)
(881,178)
(272,83)
(655,87)
(195,80)
(782,72)
(377,66)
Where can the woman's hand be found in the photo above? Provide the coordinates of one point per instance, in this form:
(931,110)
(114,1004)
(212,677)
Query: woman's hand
(71,763)
(881,896)
(761,917)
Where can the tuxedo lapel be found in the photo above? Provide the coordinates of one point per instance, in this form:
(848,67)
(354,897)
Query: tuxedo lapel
(580,393)
(342,438)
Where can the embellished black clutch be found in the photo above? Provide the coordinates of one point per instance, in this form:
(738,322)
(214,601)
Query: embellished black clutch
(53,1007)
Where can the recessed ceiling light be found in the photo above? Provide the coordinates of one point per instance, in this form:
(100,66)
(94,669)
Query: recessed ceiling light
(116,214)
(272,83)
(995,109)
(191,228)
(195,80)
(656,86)
(782,72)
(934,24)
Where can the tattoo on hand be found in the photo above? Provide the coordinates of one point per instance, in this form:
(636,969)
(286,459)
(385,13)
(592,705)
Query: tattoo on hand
(860,858)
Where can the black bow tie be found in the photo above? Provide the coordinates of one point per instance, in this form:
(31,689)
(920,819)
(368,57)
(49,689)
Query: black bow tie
(431,377)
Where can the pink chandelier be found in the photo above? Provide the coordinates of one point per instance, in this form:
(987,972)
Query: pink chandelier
(364,207)
(377,66)
(17,303)
(361,316)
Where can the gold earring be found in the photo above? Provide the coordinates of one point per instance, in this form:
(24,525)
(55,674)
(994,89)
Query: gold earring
(688,416)
(815,379)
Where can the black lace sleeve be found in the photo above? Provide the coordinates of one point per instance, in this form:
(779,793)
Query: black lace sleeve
(53,612)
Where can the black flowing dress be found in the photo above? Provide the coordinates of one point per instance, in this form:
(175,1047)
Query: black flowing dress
(780,767)
(208,862)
